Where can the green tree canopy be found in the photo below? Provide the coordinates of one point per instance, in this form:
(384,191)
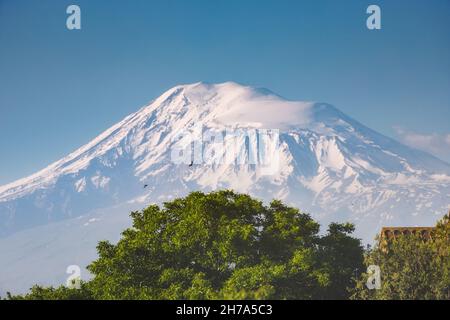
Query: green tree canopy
(224,245)
(411,267)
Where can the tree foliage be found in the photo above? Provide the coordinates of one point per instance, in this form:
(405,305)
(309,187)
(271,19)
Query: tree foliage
(411,267)
(221,245)
(50,293)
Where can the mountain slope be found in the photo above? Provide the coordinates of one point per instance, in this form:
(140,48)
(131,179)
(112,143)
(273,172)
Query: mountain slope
(329,164)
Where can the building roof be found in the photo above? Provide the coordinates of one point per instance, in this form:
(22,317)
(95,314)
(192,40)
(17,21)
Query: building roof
(394,232)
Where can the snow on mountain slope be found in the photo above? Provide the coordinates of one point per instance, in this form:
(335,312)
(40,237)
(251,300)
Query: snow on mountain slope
(330,164)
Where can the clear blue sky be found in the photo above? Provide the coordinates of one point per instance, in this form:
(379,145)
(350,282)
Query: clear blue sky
(60,88)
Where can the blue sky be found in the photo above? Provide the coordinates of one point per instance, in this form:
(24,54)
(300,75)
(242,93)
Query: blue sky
(60,88)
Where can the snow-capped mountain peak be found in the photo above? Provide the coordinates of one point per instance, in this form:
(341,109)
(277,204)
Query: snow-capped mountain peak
(329,164)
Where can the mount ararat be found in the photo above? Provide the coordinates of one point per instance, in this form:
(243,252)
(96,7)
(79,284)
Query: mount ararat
(329,165)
